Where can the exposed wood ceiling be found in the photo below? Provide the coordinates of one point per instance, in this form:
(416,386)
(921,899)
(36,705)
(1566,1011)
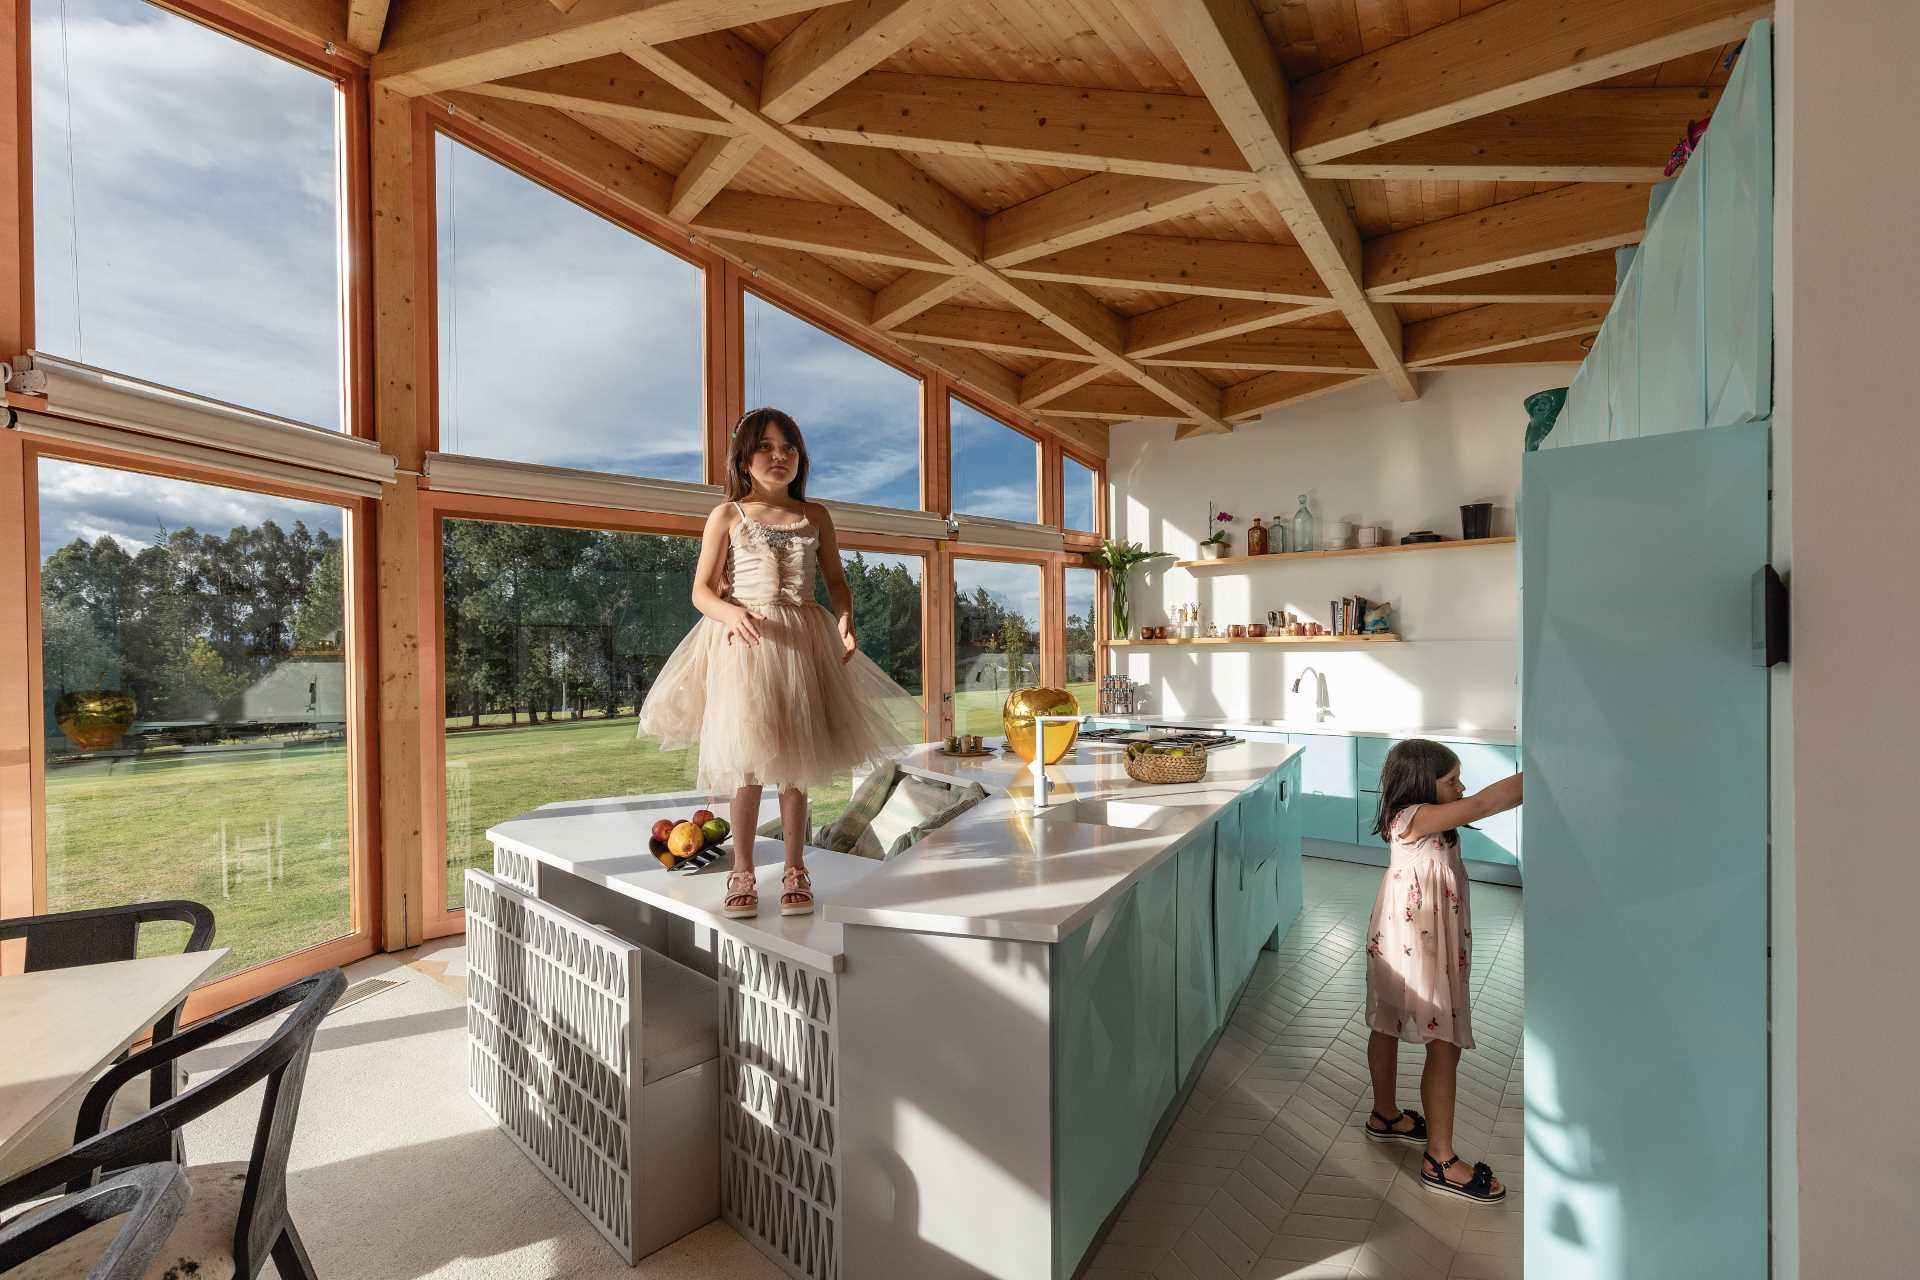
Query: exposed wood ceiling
(1106,210)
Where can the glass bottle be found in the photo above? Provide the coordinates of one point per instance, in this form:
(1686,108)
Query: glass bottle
(1303,527)
(1277,536)
(1256,538)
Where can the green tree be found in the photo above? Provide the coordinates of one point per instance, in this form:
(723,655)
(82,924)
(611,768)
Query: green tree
(320,617)
(1013,643)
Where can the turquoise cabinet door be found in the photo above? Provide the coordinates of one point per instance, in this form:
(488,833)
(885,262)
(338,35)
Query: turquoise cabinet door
(1497,839)
(1646,898)
(1671,363)
(1289,887)
(1584,419)
(1196,984)
(1370,755)
(1260,843)
(1738,154)
(1113,1054)
(1229,902)
(1623,376)
(1327,776)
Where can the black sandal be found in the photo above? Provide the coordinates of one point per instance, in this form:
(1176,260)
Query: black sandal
(1390,1134)
(1478,1188)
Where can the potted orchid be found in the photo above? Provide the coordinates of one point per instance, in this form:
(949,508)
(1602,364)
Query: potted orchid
(1117,558)
(1217,543)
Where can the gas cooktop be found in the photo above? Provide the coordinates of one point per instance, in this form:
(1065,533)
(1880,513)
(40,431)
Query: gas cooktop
(1211,739)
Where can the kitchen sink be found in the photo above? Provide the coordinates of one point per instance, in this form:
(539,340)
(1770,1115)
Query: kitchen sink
(1137,815)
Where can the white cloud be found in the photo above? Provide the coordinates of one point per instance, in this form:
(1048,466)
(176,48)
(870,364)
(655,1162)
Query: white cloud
(78,500)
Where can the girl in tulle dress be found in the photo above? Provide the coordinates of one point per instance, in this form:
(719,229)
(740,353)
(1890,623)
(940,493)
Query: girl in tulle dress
(773,688)
(1419,953)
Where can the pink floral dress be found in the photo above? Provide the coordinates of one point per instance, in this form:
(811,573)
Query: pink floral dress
(1420,942)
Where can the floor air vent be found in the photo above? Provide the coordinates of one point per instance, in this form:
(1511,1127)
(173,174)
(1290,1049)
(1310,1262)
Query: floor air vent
(364,989)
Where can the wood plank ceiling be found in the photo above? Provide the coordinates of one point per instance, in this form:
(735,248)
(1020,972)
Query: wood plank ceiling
(1097,211)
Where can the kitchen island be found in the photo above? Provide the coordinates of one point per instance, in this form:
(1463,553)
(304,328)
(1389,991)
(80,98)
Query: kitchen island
(957,1067)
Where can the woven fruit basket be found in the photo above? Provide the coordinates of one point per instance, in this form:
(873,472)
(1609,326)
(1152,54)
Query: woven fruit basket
(1158,767)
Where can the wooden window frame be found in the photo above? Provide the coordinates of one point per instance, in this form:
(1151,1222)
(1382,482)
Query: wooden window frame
(1046,495)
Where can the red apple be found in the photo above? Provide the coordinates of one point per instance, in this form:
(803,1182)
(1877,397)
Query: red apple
(702,816)
(662,829)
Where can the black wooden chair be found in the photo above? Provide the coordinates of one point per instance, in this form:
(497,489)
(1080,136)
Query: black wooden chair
(238,1215)
(150,1198)
(101,935)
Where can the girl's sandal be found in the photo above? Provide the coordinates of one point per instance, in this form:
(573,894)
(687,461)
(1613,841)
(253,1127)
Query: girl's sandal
(796,892)
(742,898)
(1417,1132)
(1478,1188)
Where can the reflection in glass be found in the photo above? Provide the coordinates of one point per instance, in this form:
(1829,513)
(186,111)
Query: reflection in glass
(996,469)
(195,695)
(554,316)
(552,638)
(860,415)
(996,632)
(1080,494)
(1082,677)
(177,239)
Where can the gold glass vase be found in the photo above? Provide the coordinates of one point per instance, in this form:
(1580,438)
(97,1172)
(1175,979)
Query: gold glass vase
(1018,716)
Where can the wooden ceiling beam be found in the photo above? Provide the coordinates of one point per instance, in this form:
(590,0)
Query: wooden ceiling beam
(1153,135)
(613,86)
(434,45)
(984,329)
(1195,320)
(1557,351)
(1554,224)
(1494,328)
(366,24)
(717,161)
(1291,350)
(1587,135)
(807,274)
(1227,51)
(572,148)
(1091,209)
(840,231)
(834,46)
(1051,381)
(1109,404)
(1589,277)
(1250,399)
(913,293)
(1181,264)
(1506,54)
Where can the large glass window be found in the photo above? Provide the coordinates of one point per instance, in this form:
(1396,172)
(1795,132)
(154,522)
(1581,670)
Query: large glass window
(1080,492)
(860,415)
(552,638)
(564,339)
(1082,585)
(889,622)
(996,632)
(996,470)
(179,237)
(195,689)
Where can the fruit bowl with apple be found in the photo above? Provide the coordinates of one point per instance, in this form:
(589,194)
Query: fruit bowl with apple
(675,840)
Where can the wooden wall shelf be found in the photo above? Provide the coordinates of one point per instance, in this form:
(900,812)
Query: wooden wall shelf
(1452,544)
(1383,637)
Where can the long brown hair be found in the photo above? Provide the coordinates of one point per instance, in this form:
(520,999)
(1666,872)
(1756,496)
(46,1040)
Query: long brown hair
(746,438)
(1412,775)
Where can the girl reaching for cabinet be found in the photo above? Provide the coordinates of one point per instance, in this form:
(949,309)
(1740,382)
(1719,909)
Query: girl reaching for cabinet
(1419,952)
(772,688)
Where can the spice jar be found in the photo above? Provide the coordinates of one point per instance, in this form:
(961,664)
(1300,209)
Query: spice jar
(1256,538)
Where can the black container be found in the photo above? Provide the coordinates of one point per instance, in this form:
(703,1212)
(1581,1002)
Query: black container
(1476,520)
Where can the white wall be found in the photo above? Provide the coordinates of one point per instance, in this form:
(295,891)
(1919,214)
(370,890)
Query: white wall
(1361,456)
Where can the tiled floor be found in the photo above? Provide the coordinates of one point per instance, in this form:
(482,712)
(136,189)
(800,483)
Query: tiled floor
(1266,1175)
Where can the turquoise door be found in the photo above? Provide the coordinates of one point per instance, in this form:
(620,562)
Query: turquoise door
(1327,777)
(1646,839)
(1229,903)
(1196,978)
(1289,886)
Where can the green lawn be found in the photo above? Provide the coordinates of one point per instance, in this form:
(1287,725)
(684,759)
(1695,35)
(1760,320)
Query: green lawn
(151,827)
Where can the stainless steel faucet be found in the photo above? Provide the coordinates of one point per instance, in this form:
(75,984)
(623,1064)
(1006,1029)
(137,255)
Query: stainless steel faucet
(1320,709)
(1042,784)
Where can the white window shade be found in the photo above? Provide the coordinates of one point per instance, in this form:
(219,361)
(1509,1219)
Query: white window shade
(988,531)
(96,406)
(495,478)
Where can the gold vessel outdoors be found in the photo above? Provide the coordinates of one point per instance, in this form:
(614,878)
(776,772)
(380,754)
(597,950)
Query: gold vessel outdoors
(95,719)
(1018,715)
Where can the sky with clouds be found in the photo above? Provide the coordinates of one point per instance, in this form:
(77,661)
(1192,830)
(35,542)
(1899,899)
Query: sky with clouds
(186,241)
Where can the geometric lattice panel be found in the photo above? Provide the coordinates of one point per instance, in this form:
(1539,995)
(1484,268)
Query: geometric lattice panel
(549,1016)
(515,868)
(779,1094)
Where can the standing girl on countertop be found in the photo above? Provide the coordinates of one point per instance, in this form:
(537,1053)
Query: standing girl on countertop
(772,688)
(1419,954)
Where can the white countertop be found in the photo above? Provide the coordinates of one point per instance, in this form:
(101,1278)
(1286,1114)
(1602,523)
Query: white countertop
(1495,735)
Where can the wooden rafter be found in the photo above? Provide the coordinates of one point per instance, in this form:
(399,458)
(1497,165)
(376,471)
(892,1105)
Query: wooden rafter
(1589,277)
(433,45)
(1554,224)
(1494,328)
(1504,55)
(712,167)
(1206,319)
(1091,209)
(835,45)
(1182,264)
(912,294)
(1051,381)
(988,330)
(613,86)
(1255,396)
(1107,403)
(1227,52)
(1557,351)
(1276,349)
(836,230)
(366,23)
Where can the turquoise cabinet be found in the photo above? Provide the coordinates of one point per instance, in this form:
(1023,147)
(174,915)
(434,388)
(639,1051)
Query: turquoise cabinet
(1327,778)
(1671,335)
(1495,839)
(1623,377)
(1229,900)
(1113,1053)
(1289,887)
(1739,242)
(1195,975)
(1260,851)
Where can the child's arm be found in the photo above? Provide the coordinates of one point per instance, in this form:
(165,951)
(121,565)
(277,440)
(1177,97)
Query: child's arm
(1431,819)
(739,623)
(835,578)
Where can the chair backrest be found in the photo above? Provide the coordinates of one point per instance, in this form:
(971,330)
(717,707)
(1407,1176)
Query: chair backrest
(152,1196)
(100,935)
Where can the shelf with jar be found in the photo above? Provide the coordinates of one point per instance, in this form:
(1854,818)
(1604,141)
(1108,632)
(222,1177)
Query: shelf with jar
(1392,548)
(1372,637)
(1268,544)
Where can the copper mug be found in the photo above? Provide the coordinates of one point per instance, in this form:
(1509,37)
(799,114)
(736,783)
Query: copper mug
(1237,631)
(1256,630)
(1296,628)
(1314,629)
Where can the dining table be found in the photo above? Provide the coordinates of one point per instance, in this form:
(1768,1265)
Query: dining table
(60,1027)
